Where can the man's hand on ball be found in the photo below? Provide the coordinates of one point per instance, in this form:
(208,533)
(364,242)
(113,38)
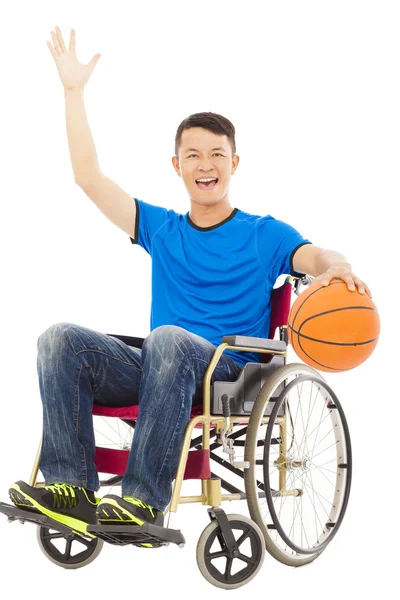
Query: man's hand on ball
(347,276)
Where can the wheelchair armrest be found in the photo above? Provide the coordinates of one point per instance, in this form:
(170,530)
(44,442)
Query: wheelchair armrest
(255,343)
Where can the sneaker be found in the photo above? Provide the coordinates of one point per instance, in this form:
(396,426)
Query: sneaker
(113,509)
(129,511)
(72,506)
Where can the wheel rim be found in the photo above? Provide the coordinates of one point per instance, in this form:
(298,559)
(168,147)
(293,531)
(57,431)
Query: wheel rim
(67,550)
(316,463)
(249,562)
(256,487)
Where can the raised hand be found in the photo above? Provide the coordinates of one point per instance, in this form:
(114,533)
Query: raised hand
(73,74)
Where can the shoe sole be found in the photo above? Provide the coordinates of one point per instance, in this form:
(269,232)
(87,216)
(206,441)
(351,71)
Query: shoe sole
(110,511)
(22,499)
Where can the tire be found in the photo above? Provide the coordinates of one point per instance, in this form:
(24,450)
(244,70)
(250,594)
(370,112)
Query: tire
(45,536)
(210,533)
(270,525)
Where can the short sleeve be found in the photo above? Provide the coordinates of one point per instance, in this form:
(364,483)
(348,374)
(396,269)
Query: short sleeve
(149,219)
(277,244)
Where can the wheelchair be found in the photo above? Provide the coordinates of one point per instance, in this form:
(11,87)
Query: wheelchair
(287,444)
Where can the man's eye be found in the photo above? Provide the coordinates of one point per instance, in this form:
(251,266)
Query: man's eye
(215,154)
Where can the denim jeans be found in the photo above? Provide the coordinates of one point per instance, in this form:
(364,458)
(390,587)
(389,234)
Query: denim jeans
(78,366)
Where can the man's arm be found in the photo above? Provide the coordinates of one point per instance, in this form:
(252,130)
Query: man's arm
(114,202)
(80,141)
(324,265)
(315,261)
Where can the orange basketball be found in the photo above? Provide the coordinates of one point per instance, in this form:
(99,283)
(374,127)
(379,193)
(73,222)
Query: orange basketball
(331,328)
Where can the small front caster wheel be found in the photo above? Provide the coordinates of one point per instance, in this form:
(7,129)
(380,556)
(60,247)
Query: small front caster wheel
(214,560)
(71,551)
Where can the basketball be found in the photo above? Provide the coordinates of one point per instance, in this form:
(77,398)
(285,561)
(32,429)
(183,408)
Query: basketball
(331,328)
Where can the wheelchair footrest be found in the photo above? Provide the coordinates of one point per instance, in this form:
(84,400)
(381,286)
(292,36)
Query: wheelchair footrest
(21,514)
(137,534)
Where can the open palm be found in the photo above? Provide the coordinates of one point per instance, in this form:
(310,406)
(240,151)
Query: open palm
(73,74)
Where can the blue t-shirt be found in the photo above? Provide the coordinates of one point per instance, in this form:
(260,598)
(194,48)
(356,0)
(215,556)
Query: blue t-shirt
(215,281)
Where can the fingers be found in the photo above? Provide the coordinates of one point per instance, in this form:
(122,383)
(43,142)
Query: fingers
(362,287)
(368,291)
(60,39)
(325,279)
(72,41)
(351,280)
(58,42)
(53,52)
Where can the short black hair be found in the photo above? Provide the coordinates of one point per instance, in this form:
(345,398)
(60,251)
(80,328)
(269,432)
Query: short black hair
(207,120)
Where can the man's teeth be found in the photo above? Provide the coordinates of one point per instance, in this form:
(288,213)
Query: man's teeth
(209,179)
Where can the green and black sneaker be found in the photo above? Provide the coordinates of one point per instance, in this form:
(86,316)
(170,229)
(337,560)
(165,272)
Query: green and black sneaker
(128,511)
(70,505)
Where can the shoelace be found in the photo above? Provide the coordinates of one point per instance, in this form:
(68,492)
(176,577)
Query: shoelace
(138,502)
(64,494)
(62,488)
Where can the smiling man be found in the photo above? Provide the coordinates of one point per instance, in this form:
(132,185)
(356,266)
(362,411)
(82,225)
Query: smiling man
(207,167)
(213,270)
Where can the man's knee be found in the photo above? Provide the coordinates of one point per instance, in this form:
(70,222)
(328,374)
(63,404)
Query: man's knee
(170,339)
(53,336)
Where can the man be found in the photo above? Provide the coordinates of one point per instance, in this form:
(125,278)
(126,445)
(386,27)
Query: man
(213,270)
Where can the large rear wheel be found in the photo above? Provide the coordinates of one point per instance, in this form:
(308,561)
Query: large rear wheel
(299,479)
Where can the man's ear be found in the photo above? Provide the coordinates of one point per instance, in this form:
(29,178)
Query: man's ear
(235,162)
(175,163)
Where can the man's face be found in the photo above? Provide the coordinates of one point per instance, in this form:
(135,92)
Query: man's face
(205,155)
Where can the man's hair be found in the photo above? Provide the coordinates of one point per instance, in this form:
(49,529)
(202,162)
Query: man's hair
(207,120)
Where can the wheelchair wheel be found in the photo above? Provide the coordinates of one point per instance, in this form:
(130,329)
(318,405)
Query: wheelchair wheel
(226,572)
(70,552)
(298,482)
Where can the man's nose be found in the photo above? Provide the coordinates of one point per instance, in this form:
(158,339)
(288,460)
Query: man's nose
(206,165)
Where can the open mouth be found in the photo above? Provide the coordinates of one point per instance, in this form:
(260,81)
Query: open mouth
(206,183)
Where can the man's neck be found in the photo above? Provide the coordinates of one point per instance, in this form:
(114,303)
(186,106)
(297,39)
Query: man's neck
(207,216)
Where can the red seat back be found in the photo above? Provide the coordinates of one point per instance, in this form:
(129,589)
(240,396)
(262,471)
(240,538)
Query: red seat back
(280,309)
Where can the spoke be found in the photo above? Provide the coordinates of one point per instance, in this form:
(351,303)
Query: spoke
(324,468)
(334,444)
(243,537)
(53,536)
(221,553)
(305,486)
(321,440)
(107,422)
(333,484)
(229,562)
(305,437)
(298,503)
(68,545)
(317,426)
(327,462)
(105,436)
(318,497)
(87,543)
(246,559)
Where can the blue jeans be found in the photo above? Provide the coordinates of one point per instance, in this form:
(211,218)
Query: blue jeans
(78,366)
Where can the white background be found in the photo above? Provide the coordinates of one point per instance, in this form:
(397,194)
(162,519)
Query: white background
(312,89)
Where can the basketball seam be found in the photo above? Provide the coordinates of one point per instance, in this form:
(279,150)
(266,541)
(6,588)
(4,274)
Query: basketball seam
(312,294)
(316,362)
(306,337)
